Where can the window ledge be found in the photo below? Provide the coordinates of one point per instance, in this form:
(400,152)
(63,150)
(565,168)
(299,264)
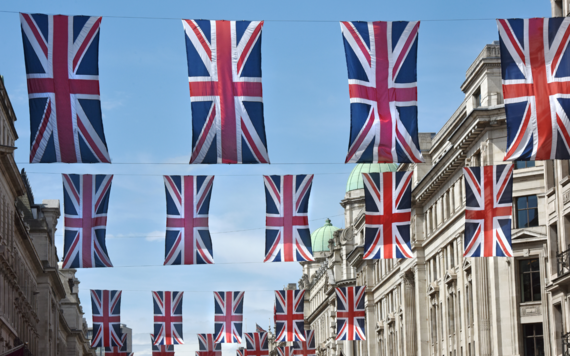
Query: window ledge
(564,181)
(522,304)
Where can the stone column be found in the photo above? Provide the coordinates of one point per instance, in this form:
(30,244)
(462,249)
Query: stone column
(410,314)
(484,327)
(422,315)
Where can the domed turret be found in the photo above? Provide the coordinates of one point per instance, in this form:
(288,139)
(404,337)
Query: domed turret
(355,180)
(321,236)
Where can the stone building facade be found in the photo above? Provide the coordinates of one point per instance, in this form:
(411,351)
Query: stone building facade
(440,303)
(38,301)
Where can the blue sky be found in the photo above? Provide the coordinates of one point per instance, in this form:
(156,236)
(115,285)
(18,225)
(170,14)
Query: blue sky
(146,114)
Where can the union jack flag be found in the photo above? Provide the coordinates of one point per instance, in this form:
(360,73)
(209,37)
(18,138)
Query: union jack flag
(257,344)
(259,329)
(285,351)
(188,238)
(241,352)
(488,211)
(119,350)
(86,200)
(307,347)
(161,350)
(350,313)
(388,203)
(287,234)
(536,87)
(207,347)
(289,318)
(224,74)
(61,54)
(228,319)
(106,310)
(168,318)
(382,81)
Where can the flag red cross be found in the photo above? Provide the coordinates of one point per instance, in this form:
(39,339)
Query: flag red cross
(188,222)
(289,220)
(210,346)
(257,346)
(64,87)
(489,212)
(350,313)
(540,88)
(382,94)
(304,350)
(87,221)
(229,316)
(106,319)
(388,216)
(291,316)
(226,89)
(167,318)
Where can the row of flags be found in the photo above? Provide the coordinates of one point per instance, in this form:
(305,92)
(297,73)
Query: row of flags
(388,203)
(228,322)
(224,76)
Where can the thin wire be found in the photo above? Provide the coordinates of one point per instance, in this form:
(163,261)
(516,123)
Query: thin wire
(207,164)
(188,291)
(161,175)
(267,20)
(212,232)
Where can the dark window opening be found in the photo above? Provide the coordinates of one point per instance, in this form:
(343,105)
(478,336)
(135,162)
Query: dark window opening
(524,164)
(530,280)
(533,343)
(527,211)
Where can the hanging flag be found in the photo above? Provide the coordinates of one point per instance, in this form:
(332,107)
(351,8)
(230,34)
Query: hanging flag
(207,347)
(259,329)
(161,350)
(168,318)
(256,344)
(188,238)
(228,309)
(488,211)
(224,72)
(382,81)
(86,200)
(536,85)
(350,313)
(287,234)
(119,350)
(285,351)
(289,318)
(307,347)
(62,55)
(240,352)
(106,310)
(388,203)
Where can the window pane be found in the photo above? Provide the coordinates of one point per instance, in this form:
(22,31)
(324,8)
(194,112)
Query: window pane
(536,296)
(525,265)
(521,203)
(533,264)
(539,346)
(529,347)
(532,217)
(530,164)
(525,283)
(522,219)
(532,201)
(538,329)
(520,164)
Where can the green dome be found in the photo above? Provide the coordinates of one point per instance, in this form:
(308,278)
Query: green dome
(355,179)
(321,236)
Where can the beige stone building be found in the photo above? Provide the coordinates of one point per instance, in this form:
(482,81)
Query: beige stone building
(38,302)
(439,303)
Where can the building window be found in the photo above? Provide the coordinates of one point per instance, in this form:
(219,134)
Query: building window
(527,211)
(533,340)
(530,280)
(524,164)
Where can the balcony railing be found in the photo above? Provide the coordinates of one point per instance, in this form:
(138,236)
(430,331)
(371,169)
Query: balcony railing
(565,344)
(563,262)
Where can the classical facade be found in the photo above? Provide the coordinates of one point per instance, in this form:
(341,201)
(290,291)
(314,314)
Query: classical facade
(440,303)
(39,305)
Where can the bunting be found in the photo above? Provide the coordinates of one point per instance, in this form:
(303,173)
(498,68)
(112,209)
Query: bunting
(307,347)
(106,310)
(350,313)
(257,344)
(168,318)
(289,318)
(119,350)
(207,347)
(161,350)
(228,316)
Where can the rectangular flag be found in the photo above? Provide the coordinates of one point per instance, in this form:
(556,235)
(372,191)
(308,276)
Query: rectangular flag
(388,206)
(207,347)
(168,318)
(85,204)
(285,351)
(535,68)
(62,55)
(161,350)
(259,329)
(188,238)
(119,350)
(382,81)
(106,310)
(287,234)
(488,211)
(240,352)
(228,317)
(350,313)
(289,317)
(224,75)
(307,347)
(256,344)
